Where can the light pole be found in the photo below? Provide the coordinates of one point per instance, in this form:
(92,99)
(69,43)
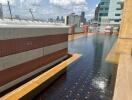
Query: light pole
(30,11)
(8,2)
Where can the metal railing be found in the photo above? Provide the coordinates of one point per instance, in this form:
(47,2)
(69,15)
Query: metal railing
(26,16)
(29,22)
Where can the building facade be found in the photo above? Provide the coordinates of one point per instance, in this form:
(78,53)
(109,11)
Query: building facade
(83,19)
(104,9)
(73,19)
(115,13)
(97,12)
(108,13)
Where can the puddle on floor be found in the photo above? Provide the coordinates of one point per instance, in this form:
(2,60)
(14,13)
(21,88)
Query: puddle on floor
(89,78)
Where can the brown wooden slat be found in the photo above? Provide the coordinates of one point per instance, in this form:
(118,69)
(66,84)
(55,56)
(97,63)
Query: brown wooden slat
(15,72)
(14,46)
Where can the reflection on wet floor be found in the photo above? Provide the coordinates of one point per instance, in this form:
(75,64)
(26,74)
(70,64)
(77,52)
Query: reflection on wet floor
(89,78)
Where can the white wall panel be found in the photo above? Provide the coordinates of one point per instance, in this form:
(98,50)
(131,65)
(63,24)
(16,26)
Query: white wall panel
(16,59)
(54,48)
(11,33)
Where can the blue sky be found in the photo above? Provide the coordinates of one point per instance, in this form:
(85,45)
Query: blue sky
(50,8)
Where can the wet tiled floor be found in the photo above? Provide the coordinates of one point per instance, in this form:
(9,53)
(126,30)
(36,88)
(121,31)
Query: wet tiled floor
(89,78)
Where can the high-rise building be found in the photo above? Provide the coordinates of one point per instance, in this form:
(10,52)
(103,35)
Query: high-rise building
(83,19)
(97,12)
(62,19)
(103,9)
(1,11)
(109,13)
(73,19)
(83,14)
(115,13)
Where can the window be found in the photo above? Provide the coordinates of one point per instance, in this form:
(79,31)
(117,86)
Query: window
(117,20)
(102,3)
(118,9)
(99,19)
(101,8)
(100,14)
(117,14)
(103,14)
(106,8)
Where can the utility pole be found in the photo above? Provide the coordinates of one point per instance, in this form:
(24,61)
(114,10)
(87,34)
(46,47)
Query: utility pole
(8,2)
(30,11)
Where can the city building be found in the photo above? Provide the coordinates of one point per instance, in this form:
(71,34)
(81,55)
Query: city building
(103,9)
(73,19)
(1,11)
(108,13)
(83,19)
(101,14)
(115,13)
(94,22)
(50,20)
(62,19)
(77,20)
(97,12)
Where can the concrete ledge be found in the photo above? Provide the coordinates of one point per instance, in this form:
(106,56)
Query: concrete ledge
(123,86)
(34,86)
(122,46)
(113,56)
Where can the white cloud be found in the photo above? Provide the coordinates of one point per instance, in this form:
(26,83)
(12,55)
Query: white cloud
(74,5)
(43,9)
(69,6)
(90,13)
(29,2)
(5,1)
(67,2)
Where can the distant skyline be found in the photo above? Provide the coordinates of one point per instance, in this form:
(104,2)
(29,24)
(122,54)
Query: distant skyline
(44,9)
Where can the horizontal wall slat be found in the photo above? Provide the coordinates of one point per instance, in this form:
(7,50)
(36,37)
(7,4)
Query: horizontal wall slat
(24,77)
(12,33)
(19,58)
(15,72)
(14,46)
(54,48)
